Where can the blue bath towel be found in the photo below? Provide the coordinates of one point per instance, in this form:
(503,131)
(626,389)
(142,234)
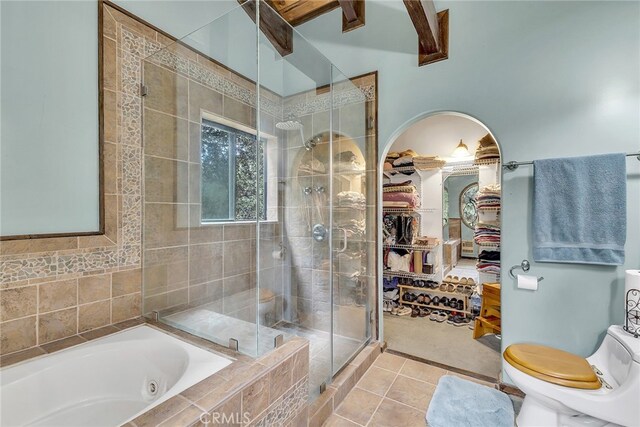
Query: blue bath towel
(461,403)
(580,210)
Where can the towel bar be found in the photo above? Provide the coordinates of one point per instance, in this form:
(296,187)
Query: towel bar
(511,166)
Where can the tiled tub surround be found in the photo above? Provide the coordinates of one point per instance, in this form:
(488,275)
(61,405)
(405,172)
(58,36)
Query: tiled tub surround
(268,391)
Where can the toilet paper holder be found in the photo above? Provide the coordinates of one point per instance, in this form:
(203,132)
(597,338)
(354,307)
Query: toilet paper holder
(525,265)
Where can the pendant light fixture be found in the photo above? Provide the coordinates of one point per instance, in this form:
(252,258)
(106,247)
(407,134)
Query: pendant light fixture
(461,151)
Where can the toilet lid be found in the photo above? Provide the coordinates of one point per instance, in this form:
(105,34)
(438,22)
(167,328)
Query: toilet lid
(552,365)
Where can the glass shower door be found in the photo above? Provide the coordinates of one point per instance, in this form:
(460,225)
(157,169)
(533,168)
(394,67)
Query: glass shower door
(353,217)
(202,171)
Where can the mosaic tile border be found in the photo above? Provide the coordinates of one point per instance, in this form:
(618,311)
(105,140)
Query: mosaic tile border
(287,407)
(155,52)
(341,98)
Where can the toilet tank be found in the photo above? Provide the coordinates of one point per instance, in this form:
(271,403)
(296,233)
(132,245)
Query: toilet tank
(616,354)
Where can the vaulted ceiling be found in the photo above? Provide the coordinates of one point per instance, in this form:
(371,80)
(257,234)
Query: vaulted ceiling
(296,12)
(432,26)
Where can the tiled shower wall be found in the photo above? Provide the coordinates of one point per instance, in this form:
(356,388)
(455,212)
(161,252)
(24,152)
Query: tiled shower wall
(188,263)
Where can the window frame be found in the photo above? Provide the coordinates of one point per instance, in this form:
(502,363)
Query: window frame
(270,173)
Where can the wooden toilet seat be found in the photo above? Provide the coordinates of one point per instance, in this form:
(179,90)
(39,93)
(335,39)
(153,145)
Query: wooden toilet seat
(552,365)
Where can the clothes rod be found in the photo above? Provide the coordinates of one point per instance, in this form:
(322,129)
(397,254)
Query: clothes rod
(514,165)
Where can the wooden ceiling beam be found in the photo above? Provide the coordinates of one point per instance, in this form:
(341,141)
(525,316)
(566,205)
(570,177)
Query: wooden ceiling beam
(432,28)
(275,29)
(352,14)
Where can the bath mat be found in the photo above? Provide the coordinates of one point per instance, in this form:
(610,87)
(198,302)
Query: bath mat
(460,403)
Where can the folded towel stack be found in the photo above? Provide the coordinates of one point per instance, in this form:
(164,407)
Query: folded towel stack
(346,161)
(487,233)
(402,194)
(487,149)
(351,199)
(428,162)
(488,196)
(489,262)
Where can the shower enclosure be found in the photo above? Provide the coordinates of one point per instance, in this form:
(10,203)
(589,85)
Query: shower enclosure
(259,191)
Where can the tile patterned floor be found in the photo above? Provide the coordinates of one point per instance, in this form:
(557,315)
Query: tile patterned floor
(394,392)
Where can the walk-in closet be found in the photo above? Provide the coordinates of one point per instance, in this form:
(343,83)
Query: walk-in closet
(441,202)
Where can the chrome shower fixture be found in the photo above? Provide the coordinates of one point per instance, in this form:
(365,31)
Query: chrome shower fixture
(292,124)
(309,144)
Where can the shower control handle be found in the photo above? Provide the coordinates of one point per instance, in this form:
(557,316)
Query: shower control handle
(344,240)
(319,232)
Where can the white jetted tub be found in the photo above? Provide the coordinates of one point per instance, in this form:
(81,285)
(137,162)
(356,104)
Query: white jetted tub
(104,382)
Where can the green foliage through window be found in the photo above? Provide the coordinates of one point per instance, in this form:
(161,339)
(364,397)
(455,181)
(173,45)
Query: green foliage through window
(233,174)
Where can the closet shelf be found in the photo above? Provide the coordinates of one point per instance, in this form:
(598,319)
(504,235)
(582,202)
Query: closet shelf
(410,247)
(489,245)
(433,291)
(486,161)
(435,307)
(409,275)
(400,169)
(408,210)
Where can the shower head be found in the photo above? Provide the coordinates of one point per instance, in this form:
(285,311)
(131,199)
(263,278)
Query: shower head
(289,125)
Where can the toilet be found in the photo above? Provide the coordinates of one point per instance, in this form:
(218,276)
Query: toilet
(266,306)
(563,389)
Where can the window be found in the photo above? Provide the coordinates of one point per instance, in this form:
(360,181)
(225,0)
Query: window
(232,163)
(468,209)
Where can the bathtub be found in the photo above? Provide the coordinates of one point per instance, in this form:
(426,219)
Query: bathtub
(104,382)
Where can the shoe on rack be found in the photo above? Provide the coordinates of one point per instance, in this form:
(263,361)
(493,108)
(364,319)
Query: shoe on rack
(403,311)
(415,312)
(434,315)
(464,281)
(435,301)
(431,284)
(441,317)
(427,299)
(448,279)
(424,312)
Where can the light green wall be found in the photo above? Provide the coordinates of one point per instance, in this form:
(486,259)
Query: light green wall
(49,119)
(550,79)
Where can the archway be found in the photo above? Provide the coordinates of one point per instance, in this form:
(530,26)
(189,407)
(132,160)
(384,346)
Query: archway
(434,269)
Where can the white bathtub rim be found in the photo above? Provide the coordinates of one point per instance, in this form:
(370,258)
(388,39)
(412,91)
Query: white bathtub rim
(150,325)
